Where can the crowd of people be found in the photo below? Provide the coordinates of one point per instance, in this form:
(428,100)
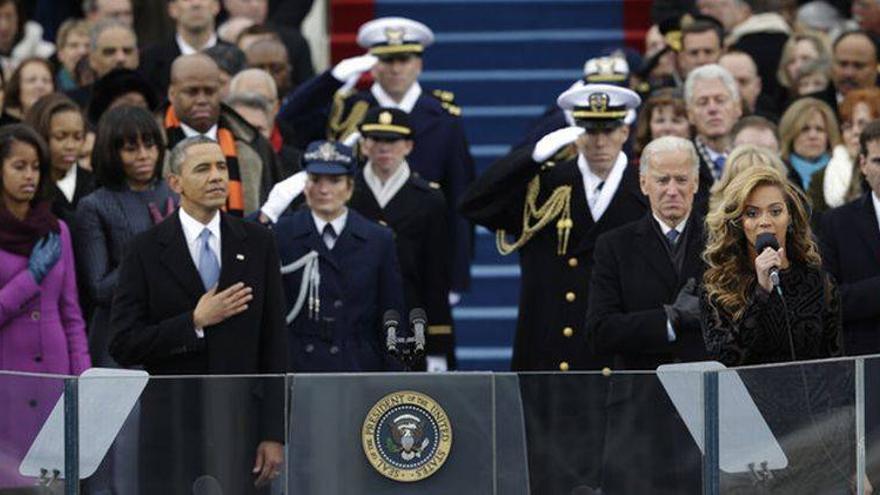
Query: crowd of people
(205,204)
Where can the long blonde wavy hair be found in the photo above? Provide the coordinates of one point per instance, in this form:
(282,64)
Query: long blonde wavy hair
(730,272)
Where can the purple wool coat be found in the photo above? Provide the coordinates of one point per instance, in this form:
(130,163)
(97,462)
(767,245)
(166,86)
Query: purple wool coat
(41,331)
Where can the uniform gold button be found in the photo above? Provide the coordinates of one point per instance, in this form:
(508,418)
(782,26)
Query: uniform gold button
(573,262)
(563,366)
(568,331)
(35,316)
(569,296)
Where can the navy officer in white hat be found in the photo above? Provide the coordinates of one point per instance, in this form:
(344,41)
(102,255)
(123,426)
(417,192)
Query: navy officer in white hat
(551,211)
(330,106)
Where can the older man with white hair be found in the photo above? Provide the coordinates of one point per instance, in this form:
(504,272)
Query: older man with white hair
(713,106)
(643,310)
(257,82)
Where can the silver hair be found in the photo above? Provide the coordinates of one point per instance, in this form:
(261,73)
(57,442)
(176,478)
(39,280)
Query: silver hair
(249,99)
(104,24)
(708,72)
(668,144)
(264,76)
(178,153)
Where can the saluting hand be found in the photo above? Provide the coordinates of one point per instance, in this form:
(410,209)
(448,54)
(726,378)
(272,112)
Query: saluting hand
(354,66)
(214,307)
(550,144)
(764,262)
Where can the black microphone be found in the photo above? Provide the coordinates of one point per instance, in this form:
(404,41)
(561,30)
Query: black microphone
(418,320)
(390,322)
(764,241)
(207,485)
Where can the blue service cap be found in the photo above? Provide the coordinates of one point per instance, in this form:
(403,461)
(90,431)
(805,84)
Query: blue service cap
(328,158)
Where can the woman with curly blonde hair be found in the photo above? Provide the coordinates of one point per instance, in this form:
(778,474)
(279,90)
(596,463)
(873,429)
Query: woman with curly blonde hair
(745,320)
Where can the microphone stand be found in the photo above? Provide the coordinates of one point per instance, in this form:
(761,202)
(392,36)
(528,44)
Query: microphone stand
(407,352)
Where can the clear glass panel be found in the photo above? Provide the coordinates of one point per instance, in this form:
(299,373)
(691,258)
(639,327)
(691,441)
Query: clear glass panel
(183,435)
(788,428)
(619,432)
(26,402)
(872,419)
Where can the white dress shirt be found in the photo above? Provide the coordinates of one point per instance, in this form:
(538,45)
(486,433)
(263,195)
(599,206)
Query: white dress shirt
(190,132)
(338,224)
(876,207)
(67,184)
(192,229)
(407,103)
(599,200)
(187,49)
(384,192)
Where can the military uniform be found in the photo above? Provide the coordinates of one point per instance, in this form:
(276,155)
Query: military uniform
(348,276)
(545,207)
(318,110)
(553,298)
(417,215)
(416,211)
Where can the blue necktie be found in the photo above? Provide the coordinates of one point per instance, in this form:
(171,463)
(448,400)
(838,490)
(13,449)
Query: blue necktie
(209,267)
(718,165)
(672,237)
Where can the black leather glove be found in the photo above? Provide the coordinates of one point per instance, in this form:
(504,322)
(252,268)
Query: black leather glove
(684,313)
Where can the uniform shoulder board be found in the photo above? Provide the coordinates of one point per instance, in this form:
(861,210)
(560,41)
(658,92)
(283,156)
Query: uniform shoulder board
(447,101)
(444,96)
(453,110)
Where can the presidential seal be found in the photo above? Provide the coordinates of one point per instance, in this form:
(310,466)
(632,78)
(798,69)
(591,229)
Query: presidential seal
(407,436)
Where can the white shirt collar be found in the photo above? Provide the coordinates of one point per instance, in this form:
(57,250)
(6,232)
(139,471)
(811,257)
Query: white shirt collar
(384,193)
(665,228)
(876,207)
(190,132)
(713,155)
(67,184)
(187,49)
(407,103)
(338,223)
(192,228)
(602,199)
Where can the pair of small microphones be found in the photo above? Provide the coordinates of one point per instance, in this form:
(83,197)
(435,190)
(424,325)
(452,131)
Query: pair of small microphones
(396,344)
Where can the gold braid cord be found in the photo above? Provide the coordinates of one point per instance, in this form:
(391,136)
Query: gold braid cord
(337,128)
(557,205)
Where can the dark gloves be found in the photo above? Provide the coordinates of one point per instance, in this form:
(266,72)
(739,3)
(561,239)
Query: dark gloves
(684,313)
(44,255)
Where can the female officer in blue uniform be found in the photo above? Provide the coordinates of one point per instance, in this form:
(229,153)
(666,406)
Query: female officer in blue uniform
(340,272)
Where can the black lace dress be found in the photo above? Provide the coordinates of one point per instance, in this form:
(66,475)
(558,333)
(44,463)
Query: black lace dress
(810,408)
(811,306)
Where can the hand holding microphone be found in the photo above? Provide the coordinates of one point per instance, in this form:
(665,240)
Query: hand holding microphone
(770,258)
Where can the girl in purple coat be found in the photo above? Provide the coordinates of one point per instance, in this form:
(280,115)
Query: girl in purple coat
(41,326)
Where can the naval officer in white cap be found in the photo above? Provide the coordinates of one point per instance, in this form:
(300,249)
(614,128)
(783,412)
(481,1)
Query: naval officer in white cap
(330,106)
(552,210)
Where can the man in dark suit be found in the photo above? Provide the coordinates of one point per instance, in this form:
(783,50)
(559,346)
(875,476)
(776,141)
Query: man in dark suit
(388,192)
(713,106)
(201,293)
(556,209)
(644,310)
(326,105)
(850,238)
(194,31)
(112,45)
(851,252)
(347,275)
